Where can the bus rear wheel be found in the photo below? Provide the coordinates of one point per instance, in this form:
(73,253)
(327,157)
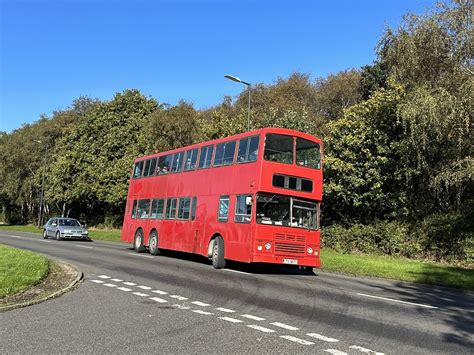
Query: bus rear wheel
(218,261)
(138,242)
(153,244)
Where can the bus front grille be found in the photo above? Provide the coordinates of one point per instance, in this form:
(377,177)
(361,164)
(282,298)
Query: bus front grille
(287,248)
(290,238)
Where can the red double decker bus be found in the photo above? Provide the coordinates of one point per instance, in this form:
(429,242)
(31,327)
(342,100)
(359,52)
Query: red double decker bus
(253,197)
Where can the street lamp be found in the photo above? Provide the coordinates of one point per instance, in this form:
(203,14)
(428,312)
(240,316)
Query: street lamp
(238,80)
(41,198)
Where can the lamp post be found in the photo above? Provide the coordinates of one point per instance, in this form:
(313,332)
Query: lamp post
(40,212)
(238,80)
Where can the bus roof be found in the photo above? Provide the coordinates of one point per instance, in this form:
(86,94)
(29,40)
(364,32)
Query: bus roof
(284,131)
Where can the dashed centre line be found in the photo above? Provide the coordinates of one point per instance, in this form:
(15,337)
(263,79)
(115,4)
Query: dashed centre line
(284,326)
(297,340)
(322,337)
(202,304)
(83,246)
(202,312)
(180,298)
(160,292)
(335,352)
(236,320)
(232,320)
(140,294)
(124,289)
(249,316)
(260,328)
(364,350)
(159,300)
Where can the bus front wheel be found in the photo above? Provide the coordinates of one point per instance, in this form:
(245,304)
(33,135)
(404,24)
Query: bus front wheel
(153,244)
(218,261)
(138,242)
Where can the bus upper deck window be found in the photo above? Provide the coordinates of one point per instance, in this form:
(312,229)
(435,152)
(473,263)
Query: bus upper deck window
(308,153)
(279,148)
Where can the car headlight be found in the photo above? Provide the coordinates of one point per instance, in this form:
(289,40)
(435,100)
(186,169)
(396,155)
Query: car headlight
(85,232)
(67,231)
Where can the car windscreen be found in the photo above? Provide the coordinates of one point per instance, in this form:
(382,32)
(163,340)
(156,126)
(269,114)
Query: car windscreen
(69,223)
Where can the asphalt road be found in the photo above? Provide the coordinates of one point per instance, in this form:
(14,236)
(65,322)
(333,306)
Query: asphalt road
(178,303)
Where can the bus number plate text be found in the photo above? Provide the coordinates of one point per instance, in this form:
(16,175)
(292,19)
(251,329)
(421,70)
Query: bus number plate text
(290,261)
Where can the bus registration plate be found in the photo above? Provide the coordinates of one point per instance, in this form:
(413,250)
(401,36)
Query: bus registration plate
(290,261)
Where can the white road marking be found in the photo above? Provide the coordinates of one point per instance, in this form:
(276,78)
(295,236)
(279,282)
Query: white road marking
(180,298)
(181,307)
(98,281)
(15,236)
(104,276)
(129,283)
(226,310)
(262,329)
(83,246)
(365,350)
(397,301)
(322,337)
(202,312)
(44,240)
(232,320)
(284,326)
(144,287)
(140,294)
(296,340)
(202,304)
(141,255)
(249,316)
(160,292)
(110,285)
(335,352)
(124,289)
(117,280)
(236,271)
(159,300)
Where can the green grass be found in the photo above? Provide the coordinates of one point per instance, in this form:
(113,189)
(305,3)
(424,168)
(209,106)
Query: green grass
(20,269)
(398,269)
(352,264)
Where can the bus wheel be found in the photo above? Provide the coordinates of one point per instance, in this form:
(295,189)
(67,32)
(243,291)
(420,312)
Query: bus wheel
(153,244)
(138,242)
(218,261)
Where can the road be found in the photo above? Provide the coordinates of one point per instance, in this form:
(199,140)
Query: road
(178,303)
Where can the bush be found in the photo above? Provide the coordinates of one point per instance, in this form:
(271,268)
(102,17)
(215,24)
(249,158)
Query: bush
(388,238)
(441,237)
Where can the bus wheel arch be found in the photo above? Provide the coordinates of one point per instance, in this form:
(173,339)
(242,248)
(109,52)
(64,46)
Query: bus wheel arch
(217,251)
(153,242)
(138,241)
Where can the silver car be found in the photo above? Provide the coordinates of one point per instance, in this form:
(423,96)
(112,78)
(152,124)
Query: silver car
(68,228)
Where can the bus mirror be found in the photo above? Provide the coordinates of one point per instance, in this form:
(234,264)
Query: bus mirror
(248,200)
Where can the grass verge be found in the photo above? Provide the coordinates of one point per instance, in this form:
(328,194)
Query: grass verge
(398,269)
(20,269)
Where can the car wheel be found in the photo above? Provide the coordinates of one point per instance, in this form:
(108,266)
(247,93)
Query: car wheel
(138,242)
(45,235)
(58,236)
(153,244)
(218,261)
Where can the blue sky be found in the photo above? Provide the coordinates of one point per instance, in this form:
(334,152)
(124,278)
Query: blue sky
(55,51)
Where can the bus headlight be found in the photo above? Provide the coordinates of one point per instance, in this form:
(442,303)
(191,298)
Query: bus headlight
(259,247)
(268,245)
(310,250)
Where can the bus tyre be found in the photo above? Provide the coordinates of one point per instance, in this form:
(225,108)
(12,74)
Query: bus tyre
(153,244)
(138,242)
(218,261)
